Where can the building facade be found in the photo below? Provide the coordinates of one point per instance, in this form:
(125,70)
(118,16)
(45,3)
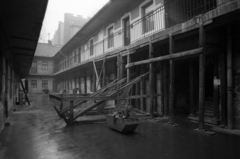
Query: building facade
(190,49)
(41,73)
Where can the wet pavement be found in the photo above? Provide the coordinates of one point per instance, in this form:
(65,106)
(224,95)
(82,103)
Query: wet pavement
(36,132)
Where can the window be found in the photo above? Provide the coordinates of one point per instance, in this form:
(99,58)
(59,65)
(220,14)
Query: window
(75,56)
(34,64)
(34,67)
(148,20)
(91,47)
(79,55)
(110,37)
(33,83)
(44,65)
(44,84)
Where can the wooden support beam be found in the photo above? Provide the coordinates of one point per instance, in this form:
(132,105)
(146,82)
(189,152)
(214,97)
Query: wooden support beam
(95,69)
(24,91)
(201,78)
(104,74)
(167,57)
(161,89)
(165,89)
(216,89)
(71,113)
(128,72)
(85,84)
(171,82)
(151,74)
(191,86)
(229,79)
(142,88)
(223,90)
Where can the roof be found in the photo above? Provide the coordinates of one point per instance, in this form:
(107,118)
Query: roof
(22,23)
(46,50)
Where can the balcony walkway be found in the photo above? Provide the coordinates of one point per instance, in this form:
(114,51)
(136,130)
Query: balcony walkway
(36,132)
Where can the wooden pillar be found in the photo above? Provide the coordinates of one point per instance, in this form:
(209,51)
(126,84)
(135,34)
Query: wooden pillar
(85,84)
(201,78)
(151,75)
(216,89)
(128,73)
(161,89)
(142,87)
(165,88)
(71,112)
(229,80)
(94,82)
(191,95)
(171,82)
(104,74)
(223,90)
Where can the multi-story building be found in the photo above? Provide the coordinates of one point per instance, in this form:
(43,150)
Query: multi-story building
(67,29)
(20,26)
(58,38)
(41,73)
(189,47)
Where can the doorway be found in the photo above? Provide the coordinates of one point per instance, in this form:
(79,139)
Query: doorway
(127,38)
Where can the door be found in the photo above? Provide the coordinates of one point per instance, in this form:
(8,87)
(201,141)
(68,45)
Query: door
(126,31)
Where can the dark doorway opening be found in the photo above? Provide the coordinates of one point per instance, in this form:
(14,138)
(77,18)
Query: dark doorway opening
(127,36)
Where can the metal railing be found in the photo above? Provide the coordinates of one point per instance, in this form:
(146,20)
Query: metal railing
(172,13)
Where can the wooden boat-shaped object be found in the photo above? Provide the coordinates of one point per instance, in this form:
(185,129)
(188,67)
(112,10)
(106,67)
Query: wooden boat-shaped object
(122,125)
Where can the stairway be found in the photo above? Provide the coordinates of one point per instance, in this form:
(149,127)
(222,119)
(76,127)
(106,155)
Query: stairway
(208,113)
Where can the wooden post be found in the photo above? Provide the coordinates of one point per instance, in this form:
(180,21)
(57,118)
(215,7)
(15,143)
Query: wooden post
(229,79)
(142,86)
(165,89)
(151,74)
(24,91)
(71,112)
(94,82)
(191,95)
(104,75)
(85,84)
(201,78)
(171,82)
(216,89)
(128,73)
(61,103)
(161,89)
(223,90)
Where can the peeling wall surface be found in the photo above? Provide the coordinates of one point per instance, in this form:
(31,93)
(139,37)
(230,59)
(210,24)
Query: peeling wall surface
(236,76)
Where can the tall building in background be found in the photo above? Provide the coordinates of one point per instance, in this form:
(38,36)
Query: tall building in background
(67,29)
(58,38)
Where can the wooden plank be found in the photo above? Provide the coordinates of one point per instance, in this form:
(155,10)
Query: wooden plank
(167,57)
(191,86)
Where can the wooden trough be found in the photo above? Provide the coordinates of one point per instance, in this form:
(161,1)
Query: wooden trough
(122,125)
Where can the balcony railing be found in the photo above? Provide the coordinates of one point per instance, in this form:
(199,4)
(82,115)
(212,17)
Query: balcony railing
(169,14)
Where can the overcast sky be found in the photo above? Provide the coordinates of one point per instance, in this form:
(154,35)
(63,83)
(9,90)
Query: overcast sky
(57,8)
